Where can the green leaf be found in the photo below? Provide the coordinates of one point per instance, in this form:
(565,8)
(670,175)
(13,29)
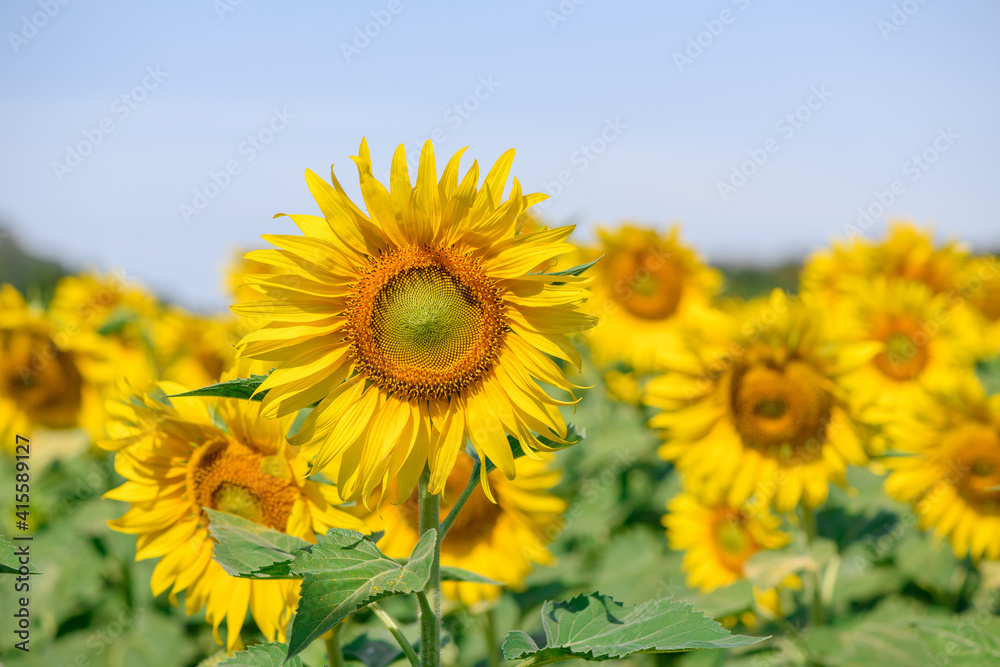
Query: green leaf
(9,563)
(988,371)
(372,652)
(458,574)
(238,388)
(595,627)
(117,320)
(262,655)
(575,270)
(573,437)
(344,572)
(251,551)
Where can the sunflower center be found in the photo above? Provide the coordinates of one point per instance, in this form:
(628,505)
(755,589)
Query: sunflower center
(43,380)
(646,284)
(902,358)
(233,477)
(478,515)
(974,465)
(733,541)
(426,322)
(425,319)
(779,410)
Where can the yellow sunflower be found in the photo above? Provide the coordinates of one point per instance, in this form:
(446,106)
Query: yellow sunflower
(178,462)
(45,382)
(501,541)
(948,465)
(758,413)
(647,285)
(907,254)
(922,343)
(94,311)
(717,538)
(416,325)
(193,350)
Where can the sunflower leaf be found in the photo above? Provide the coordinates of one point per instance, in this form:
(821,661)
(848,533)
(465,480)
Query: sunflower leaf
(251,551)
(372,652)
(573,437)
(262,655)
(9,562)
(237,388)
(575,270)
(458,574)
(594,627)
(988,372)
(345,571)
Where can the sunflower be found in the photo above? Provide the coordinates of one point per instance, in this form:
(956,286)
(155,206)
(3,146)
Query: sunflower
(501,541)
(718,539)
(922,343)
(193,350)
(949,467)
(107,312)
(647,285)
(416,325)
(907,254)
(758,412)
(178,462)
(45,382)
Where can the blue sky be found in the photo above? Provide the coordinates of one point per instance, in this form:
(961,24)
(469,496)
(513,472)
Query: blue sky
(642,109)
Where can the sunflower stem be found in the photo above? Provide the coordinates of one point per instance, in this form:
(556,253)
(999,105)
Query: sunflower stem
(490,632)
(333,653)
(460,503)
(393,628)
(430,599)
(809,519)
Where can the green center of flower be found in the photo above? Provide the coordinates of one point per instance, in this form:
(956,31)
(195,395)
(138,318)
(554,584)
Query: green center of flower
(771,408)
(425,322)
(902,359)
(238,500)
(424,318)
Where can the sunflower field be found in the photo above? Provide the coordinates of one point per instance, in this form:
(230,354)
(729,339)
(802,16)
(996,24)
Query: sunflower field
(439,429)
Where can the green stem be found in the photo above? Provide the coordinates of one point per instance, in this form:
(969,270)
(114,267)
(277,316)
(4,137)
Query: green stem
(460,503)
(809,519)
(430,598)
(393,627)
(333,653)
(490,631)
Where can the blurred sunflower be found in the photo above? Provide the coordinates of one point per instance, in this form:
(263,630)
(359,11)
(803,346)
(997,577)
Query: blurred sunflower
(922,342)
(45,383)
(178,462)
(193,350)
(501,541)
(948,466)
(907,254)
(416,325)
(718,539)
(647,285)
(759,412)
(94,310)
(236,272)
